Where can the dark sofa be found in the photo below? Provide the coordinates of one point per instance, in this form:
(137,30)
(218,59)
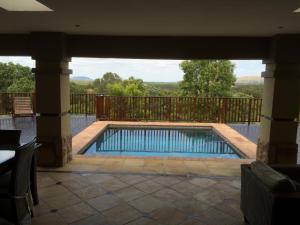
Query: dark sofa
(268,199)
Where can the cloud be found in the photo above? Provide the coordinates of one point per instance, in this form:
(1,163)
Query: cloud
(148,70)
(248,67)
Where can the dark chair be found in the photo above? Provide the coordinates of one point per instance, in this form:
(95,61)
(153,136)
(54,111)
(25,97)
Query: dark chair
(9,139)
(270,195)
(15,195)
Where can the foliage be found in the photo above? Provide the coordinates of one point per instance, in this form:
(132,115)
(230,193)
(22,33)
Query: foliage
(101,85)
(24,84)
(162,88)
(207,77)
(248,90)
(78,88)
(129,87)
(15,77)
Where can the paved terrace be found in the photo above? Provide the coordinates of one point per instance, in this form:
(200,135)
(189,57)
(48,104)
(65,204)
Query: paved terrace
(137,199)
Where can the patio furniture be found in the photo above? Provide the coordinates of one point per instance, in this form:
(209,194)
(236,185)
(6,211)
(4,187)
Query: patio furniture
(15,193)
(270,195)
(9,139)
(22,107)
(9,142)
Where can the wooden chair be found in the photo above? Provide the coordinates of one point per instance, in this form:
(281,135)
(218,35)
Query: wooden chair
(22,107)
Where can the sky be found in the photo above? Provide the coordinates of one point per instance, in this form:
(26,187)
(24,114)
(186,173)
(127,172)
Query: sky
(146,69)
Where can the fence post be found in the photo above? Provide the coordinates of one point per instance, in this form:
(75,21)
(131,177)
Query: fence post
(33,102)
(195,108)
(100,110)
(249,111)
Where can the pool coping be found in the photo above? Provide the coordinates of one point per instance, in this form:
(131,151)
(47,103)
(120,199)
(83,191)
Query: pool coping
(85,138)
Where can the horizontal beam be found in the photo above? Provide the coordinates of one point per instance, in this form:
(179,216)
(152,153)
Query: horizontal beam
(146,47)
(14,45)
(169,47)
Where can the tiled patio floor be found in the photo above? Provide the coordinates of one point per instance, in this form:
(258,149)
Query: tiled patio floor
(137,199)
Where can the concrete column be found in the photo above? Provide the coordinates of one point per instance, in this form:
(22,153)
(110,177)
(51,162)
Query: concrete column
(52,99)
(281,101)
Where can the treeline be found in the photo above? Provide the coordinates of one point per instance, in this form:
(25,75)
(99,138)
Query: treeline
(211,78)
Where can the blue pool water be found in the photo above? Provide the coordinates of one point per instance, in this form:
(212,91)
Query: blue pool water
(165,142)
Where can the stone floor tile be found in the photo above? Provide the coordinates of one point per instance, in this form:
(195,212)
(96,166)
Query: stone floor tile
(89,192)
(168,195)
(192,222)
(186,188)
(97,178)
(173,163)
(211,196)
(167,180)
(52,191)
(230,207)
(111,162)
(152,170)
(104,202)
(41,209)
(236,183)
(202,182)
(113,184)
(168,216)
(77,183)
(121,214)
(143,221)
(138,197)
(132,179)
(48,219)
(134,162)
(190,206)
(212,216)
(147,204)
(231,192)
(129,194)
(45,181)
(154,162)
(96,219)
(149,186)
(76,212)
(195,164)
(62,201)
(172,170)
(64,176)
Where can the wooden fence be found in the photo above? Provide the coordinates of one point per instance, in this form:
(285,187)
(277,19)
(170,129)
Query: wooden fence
(80,103)
(231,110)
(221,110)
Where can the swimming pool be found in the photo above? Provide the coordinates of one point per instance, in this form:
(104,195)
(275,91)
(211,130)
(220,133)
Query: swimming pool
(161,142)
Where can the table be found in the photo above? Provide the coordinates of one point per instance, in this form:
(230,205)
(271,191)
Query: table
(6,155)
(6,160)
(6,164)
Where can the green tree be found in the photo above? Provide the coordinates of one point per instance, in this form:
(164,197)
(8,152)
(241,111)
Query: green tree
(12,75)
(115,89)
(207,77)
(129,87)
(78,88)
(24,84)
(108,78)
(248,90)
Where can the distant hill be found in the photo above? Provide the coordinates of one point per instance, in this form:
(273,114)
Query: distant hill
(249,80)
(81,78)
